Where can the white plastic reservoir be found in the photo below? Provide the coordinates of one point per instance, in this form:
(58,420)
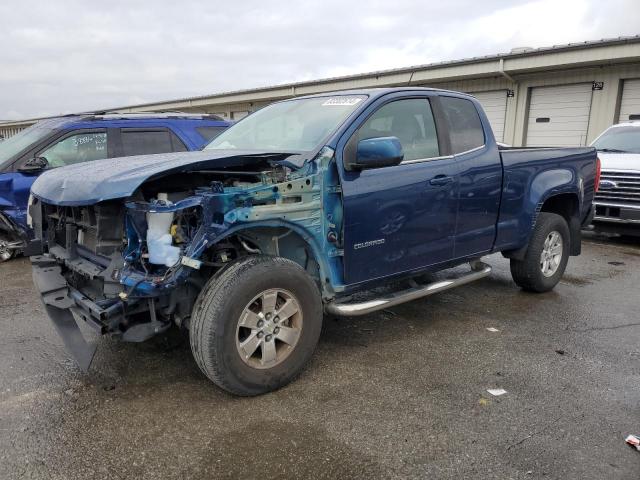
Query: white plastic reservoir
(159,240)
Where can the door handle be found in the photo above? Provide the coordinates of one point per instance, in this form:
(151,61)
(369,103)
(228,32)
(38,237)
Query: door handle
(441,180)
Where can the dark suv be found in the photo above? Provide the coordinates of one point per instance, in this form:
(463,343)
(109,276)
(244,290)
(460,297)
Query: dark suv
(61,141)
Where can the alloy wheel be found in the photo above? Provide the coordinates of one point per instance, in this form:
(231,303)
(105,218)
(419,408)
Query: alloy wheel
(269,328)
(551,255)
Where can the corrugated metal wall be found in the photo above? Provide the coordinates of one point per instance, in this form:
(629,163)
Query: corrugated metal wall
(10,130)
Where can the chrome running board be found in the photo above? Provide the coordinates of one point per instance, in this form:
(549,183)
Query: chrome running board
(478,270)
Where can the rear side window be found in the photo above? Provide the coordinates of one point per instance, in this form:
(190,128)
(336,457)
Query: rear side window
(148,142)
(465,128)
(209,133)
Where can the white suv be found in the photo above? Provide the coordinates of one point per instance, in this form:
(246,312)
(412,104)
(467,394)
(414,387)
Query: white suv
(617,203)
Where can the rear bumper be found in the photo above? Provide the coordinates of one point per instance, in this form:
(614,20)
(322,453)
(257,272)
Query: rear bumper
(619,214)
(616,218)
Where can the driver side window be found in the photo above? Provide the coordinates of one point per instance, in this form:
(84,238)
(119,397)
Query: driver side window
(82,147)
(411,121)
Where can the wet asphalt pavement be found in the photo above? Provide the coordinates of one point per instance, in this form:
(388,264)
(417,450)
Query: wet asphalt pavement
(397,394)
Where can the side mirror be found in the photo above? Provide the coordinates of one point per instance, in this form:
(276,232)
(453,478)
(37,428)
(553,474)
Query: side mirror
(36,164)
(377,152)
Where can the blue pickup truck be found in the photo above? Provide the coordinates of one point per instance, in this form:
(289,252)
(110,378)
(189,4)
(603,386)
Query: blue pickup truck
(56,142)
(290,213)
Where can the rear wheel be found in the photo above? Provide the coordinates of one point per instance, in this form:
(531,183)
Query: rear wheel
(547,255)
(256,325)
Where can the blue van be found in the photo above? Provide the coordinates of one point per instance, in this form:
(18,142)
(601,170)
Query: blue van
(61,141)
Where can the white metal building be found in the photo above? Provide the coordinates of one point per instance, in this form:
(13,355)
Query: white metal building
(563,95)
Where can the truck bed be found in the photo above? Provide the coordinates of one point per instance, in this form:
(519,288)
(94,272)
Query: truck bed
(531,175)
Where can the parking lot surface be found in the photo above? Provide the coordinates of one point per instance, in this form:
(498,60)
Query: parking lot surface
(397,394)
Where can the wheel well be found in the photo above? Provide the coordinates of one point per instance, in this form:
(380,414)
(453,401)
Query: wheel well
(567,206)
(279,242)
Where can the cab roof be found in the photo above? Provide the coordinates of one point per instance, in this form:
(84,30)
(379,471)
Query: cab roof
(379,92)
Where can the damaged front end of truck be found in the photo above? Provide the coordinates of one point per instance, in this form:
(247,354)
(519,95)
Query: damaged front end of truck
(132,263)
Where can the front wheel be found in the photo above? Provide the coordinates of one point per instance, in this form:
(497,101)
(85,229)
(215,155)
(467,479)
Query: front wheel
(547,255)
(7,251)
(256,325)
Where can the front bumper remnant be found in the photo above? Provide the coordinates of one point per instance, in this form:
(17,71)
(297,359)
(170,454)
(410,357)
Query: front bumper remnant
(58,302)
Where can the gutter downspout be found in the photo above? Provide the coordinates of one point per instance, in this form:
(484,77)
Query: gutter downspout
(503,73)
(515,107)
(410,78)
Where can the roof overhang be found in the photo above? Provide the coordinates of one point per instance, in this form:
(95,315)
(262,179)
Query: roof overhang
(510,65)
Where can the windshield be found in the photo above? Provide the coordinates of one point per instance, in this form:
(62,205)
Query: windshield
(25,138)
(619,139)
(291,126)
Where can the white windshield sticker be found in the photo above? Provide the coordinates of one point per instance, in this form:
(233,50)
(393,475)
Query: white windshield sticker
(341,101)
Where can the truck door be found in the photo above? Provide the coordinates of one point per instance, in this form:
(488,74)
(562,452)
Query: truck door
(480,178)
(402,217)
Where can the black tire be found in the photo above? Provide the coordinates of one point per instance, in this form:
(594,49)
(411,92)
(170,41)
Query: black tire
(214,324)
(528,273)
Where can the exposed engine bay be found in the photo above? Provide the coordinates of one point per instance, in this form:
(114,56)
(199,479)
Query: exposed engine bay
(136,265)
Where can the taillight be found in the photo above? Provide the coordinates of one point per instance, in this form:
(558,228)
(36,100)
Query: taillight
(597,174)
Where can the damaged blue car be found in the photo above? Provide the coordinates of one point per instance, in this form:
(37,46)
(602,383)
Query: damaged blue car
(288,215)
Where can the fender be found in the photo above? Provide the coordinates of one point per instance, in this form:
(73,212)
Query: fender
(330,277)
(544,186)
(11,227)
(551,183)
(226,212)
(14,195)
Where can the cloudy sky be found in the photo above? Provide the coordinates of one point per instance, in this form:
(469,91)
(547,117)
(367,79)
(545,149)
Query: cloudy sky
(72,55)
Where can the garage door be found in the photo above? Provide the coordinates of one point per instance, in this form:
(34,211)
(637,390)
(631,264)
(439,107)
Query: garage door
(559,116)
(495,106)
(630,104)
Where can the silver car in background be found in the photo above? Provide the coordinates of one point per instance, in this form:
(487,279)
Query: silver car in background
(617,203)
